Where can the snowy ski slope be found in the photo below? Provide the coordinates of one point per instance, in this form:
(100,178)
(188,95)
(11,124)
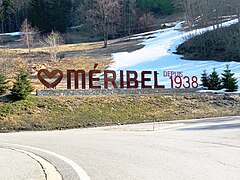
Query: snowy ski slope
(157,54)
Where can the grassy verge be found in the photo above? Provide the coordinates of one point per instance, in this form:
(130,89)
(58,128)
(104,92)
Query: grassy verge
(221,45)
(38,113)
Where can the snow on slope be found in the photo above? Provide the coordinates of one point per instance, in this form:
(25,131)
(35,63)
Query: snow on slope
(12,34)
(157,55)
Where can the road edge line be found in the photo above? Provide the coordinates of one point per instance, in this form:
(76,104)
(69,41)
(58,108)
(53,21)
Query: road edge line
(49,170)
(79,170)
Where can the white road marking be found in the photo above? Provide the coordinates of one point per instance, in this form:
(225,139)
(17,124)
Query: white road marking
(48,168)
(80,172)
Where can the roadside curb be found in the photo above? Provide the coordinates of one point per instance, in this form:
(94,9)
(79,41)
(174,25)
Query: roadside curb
(50,172)
(79,170)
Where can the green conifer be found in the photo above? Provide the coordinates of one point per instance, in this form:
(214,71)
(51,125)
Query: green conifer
(228,81)
(22,87)
(205,79)
(214,81)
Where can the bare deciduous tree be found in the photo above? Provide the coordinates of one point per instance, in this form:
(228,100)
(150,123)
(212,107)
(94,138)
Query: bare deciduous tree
(105,16)
(205,12)
(28,34)
(129,16)
(145,21)
(52,42)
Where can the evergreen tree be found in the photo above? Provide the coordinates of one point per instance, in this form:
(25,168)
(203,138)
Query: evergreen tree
(49,15)
(229,82)
(157,6)
(166,7)
(205,79)
(3,84)
(22,87)
(7,15)
(214,81)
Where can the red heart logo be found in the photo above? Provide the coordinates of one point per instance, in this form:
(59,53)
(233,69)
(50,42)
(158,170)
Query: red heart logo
(50,75)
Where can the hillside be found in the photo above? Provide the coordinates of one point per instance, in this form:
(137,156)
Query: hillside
(159,54)
(221,45)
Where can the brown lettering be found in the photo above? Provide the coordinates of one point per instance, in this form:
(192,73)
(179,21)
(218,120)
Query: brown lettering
(156,86)
(132,79)
(76,80)
(92,79)
(121,79)
(107,79)
(144,79)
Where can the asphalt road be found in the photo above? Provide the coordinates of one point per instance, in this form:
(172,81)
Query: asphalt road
(194,149)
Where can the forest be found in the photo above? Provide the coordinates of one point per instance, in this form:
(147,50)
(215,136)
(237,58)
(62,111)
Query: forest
(48,15)
(110,18)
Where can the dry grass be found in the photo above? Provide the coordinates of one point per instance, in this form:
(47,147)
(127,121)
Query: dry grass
(62,48)
(39,58)
(84,62)
(39,113)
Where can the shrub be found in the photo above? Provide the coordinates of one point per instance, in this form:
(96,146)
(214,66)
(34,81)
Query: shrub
(22,87)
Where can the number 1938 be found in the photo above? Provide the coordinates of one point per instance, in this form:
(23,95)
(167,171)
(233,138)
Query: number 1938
(184,82)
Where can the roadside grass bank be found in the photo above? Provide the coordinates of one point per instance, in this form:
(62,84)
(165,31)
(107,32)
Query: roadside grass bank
(41,113)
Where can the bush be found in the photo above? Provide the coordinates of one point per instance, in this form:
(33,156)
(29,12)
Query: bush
(3,84)
(22,87)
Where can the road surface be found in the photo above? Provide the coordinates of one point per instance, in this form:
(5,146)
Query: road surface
(194,149)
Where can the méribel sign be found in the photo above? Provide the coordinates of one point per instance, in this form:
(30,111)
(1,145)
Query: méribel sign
(126,79)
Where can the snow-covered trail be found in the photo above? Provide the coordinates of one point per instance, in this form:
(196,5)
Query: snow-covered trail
(157,55)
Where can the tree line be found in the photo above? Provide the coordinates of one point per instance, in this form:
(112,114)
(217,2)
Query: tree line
(48,15)
(207,12)
(127,15)
(110,18)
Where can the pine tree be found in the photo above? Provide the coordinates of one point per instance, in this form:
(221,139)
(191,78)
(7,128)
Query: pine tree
(205,79)
(49,15)
(158,6)
(22,87)
(3,84)
(229,82)
(7,15)
(214,81)
(166,7)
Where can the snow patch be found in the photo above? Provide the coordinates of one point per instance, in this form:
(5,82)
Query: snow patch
(157,55)
(11,34)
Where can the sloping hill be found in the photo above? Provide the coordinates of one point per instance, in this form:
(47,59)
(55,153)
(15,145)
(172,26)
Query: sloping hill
(221,45)
(158,54)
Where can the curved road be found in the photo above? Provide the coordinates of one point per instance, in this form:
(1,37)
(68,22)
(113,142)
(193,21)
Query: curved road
(193,149)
